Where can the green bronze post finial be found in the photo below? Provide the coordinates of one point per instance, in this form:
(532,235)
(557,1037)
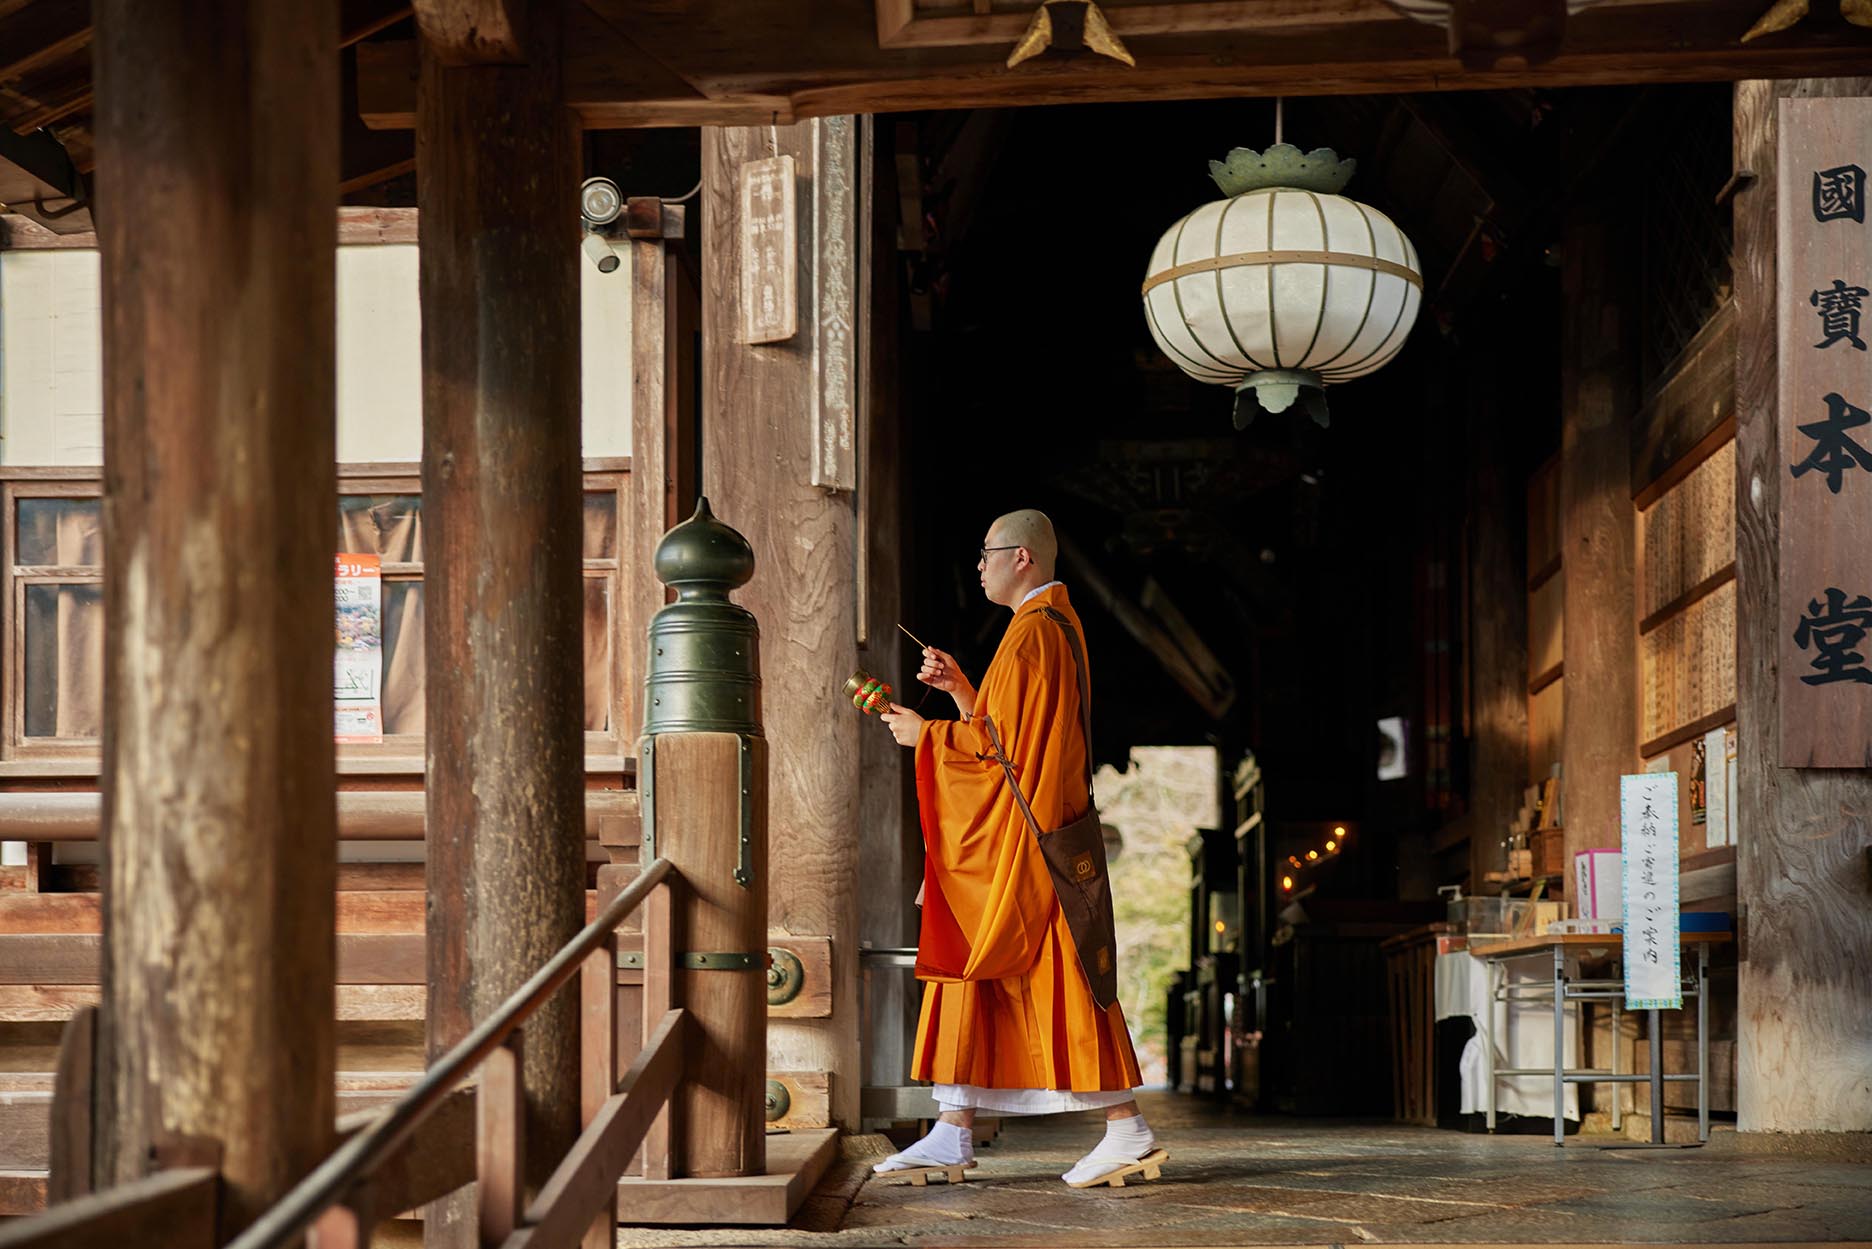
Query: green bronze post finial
(704,669)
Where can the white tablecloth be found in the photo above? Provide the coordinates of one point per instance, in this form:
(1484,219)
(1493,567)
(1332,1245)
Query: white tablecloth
(1522,1033)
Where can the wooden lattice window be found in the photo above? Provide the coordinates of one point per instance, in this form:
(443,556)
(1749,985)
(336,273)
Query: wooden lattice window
(54,608)
(54,615)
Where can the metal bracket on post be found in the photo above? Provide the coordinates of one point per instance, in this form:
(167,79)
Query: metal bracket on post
(744,871)
(733,960)
(646,801)
(723,961)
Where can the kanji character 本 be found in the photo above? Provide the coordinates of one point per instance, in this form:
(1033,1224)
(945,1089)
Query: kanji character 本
(1839,194)
(1839,314)
(1836,633)
(1834,450)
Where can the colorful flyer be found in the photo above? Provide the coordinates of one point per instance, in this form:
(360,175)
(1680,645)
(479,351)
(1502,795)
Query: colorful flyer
(357,668)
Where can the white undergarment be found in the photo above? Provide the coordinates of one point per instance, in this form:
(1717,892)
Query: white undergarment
(1024,1101)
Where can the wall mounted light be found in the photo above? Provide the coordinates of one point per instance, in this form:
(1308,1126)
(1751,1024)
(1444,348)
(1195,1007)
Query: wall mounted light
(600,204)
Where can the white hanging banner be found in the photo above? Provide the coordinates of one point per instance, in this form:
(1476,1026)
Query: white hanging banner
(1648,842)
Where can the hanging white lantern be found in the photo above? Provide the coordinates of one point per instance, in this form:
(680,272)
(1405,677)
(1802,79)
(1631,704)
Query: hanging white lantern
(1284,286)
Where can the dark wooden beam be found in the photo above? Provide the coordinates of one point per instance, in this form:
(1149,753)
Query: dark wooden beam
(474,32)
(1498,616)
(1599,393)
(41,34)
(367,157)
(218,773)
(54,82)
(753,61)
(498,175)
(60,90)
(756,460)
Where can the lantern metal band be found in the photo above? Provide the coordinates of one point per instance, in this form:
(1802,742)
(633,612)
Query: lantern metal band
(1238,259)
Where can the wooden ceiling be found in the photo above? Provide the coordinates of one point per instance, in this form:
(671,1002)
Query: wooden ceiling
(694,62)
(46,144)
(688,62)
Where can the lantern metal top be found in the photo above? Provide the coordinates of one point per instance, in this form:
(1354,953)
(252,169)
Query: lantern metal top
(703,674)
(1282,165)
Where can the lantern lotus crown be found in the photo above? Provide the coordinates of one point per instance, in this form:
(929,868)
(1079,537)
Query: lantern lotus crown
(1282,165)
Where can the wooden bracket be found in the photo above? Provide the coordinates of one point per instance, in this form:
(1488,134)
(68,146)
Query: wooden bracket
(808,1099)
(474,32)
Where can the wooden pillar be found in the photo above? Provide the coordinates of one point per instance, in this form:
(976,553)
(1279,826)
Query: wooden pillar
(756,463)
(1801,869)
(662,480)
(218,119)
(497,178)
(1498,639)
(720,1118)
(1599,394)
(890,850)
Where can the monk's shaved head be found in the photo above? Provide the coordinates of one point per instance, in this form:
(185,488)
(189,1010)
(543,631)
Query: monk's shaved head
(1031,529)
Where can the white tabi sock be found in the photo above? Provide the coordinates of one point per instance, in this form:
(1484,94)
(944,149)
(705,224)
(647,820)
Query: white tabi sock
(1126,1140)
(947,1145)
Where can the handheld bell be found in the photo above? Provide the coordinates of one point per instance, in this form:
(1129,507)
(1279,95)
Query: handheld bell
(867,693)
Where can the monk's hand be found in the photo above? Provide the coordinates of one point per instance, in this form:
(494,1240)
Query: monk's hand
(905,726)
(941,671)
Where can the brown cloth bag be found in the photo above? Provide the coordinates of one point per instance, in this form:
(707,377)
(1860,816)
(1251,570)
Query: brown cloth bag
(1075,854)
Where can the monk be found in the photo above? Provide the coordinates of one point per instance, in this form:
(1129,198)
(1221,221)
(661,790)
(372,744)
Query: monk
(1010,1024)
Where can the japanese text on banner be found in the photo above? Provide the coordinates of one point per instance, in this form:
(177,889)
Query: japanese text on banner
(1648,841)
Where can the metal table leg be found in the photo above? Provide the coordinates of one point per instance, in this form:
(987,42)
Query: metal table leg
(1702,992)
(1618,1090)
(1657,1076)
(1492,967)
(1559,1046)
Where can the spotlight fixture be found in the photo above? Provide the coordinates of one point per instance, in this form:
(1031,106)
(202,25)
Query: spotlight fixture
(600,201)
(599,250)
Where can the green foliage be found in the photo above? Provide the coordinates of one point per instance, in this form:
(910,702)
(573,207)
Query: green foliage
(1157,805)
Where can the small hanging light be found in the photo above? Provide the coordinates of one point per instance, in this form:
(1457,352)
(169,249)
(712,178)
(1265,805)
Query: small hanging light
(1284,285)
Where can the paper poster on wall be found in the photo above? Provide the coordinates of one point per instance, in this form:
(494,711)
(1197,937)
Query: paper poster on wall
(1648,837)
(1729,769)
(1716,752)
(357,666)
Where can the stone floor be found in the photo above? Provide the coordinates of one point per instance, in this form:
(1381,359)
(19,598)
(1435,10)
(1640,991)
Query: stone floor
(1245,1181)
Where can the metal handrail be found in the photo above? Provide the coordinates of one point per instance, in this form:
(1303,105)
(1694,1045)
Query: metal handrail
(293,1214)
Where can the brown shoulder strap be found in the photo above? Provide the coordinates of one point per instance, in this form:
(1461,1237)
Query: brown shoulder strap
(1085,716)
(1000,755)
(1085,683)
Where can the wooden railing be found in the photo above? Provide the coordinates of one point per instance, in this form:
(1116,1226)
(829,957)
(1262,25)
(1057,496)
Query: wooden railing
(439,1137)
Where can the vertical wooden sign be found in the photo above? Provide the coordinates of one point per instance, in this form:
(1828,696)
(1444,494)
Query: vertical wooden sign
(1824,241)
(835,303)
(1648,850)
(769,251)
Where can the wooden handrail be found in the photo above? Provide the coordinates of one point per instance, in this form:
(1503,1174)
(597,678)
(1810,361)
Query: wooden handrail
(173,1209)
(358,1157)
(587,1175)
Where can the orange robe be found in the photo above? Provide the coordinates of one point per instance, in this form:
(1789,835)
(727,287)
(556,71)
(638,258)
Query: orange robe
(1005,1003)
